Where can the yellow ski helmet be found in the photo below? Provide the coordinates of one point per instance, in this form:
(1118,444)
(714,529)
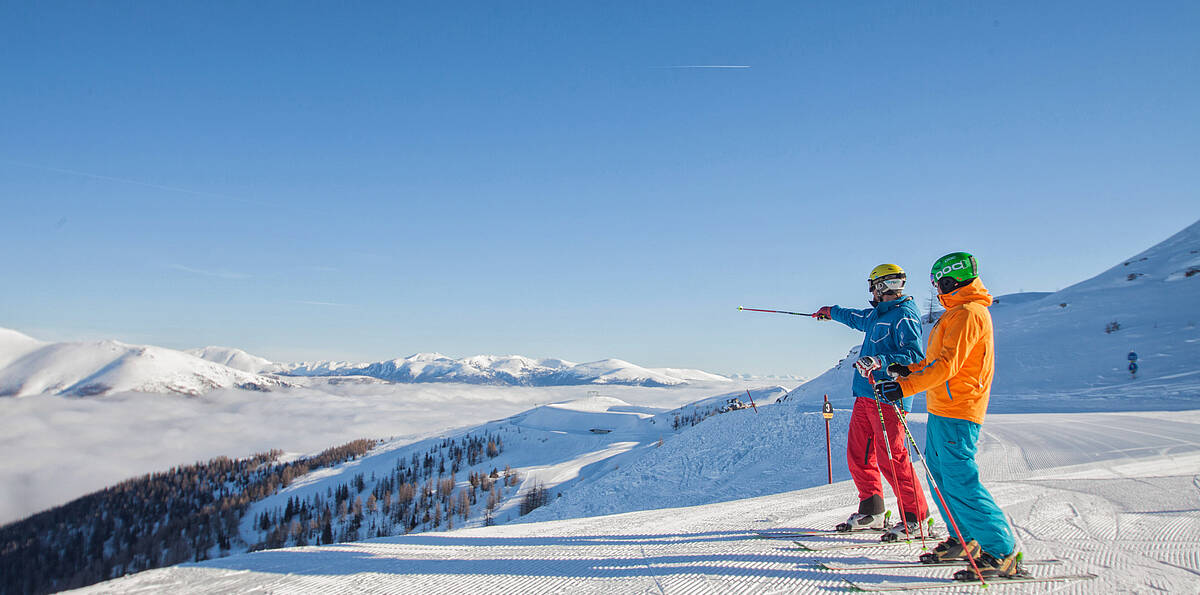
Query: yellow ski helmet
(886,278)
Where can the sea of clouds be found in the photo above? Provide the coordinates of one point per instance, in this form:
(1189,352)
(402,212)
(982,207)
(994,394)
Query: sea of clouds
(56,449)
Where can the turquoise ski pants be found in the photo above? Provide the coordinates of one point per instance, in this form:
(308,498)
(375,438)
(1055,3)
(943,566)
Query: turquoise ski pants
(950,446)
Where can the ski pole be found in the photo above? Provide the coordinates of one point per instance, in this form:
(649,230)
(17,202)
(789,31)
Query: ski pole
(774,311)
(945,507)
(752,401)
(827,413)
(892,463)
(912,472)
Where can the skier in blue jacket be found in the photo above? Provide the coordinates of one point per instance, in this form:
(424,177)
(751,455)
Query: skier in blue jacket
(893,336)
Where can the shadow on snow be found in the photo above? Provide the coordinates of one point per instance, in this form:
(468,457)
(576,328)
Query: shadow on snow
(347,559)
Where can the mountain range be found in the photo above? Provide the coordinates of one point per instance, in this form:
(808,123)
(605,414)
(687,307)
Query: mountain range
(86,368)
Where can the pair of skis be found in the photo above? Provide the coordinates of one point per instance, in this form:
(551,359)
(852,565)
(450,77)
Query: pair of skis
(922,583)
(890,586)
(799,534)
(918,583)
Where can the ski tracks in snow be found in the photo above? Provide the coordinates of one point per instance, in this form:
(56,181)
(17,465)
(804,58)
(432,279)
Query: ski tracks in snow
(1122,506)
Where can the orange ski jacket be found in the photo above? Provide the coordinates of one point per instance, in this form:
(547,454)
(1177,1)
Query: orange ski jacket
(956,373)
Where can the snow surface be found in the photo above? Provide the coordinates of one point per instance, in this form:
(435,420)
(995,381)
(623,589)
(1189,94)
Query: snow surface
(1110,493)
(583,415)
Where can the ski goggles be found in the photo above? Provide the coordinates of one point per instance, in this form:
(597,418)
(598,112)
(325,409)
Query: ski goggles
(886,283)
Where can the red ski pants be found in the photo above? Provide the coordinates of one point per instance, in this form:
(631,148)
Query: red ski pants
(867,455)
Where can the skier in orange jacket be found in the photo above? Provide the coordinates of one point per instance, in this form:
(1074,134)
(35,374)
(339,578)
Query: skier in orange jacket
(956,376)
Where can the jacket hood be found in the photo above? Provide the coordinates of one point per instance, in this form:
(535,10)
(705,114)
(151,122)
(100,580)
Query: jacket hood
(972,292)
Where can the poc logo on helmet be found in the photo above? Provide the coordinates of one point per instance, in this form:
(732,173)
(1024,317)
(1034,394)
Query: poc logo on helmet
(958,266)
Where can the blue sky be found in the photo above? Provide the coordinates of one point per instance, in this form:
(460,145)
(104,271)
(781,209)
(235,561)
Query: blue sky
(365,181)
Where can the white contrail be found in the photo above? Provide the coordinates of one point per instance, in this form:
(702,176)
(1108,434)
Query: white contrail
(711,66)
(312,303)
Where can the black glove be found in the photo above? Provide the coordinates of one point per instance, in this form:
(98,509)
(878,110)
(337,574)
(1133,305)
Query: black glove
(888,390)
(898,371)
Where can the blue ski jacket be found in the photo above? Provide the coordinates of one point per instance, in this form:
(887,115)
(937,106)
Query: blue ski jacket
(893,335)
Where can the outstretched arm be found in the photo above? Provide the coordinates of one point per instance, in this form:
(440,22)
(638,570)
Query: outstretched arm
(855,319)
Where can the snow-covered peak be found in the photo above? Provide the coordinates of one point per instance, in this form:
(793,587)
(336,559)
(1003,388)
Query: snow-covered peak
(553,362)
(14,345)
(425,358)
(504,369)
(234,358)
(616,371)
(1175,259)
(88,368)
(515,370)
(689,374)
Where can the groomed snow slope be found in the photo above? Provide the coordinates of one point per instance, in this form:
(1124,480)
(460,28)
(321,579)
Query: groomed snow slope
(1114,494)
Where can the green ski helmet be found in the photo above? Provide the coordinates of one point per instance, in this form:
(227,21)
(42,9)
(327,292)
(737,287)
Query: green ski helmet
(953,270)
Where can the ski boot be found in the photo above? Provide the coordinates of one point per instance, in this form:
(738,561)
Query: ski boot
(992,567)
(861,522)
(907,530)
(871,515)
(951,549)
